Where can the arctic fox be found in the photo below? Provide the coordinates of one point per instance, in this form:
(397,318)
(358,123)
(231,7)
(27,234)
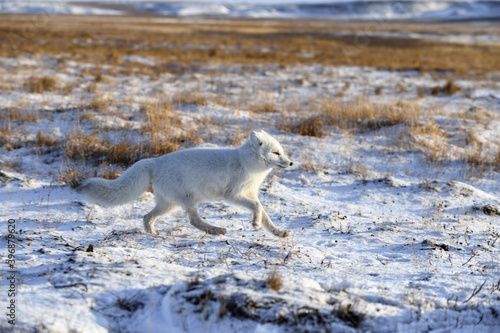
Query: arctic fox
(189,177)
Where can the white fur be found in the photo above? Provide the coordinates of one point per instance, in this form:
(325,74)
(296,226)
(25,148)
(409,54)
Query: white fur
(189,177)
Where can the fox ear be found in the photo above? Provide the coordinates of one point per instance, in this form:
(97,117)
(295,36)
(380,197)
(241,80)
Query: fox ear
(254,136)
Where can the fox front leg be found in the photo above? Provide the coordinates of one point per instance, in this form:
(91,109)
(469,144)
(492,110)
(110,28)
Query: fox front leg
(253,204)
(272,228)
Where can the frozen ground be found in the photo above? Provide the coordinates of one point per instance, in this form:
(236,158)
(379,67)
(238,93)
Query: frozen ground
(383,239)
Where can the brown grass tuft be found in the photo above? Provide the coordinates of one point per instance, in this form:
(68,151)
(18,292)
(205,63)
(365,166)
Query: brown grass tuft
(449,89)
(431,140)
(363,114)
(44,140)
(70,175)
(91,148)
(496,161)
(159,116)
(195,98)
(347,314)
(274,281)
(106,171)
(308,165)
(421,92)
(39,85)
(359,115)
(19,115)
(264,108)
(7,139)
(313,126)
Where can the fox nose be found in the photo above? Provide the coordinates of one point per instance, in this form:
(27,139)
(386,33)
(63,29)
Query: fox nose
(291,163)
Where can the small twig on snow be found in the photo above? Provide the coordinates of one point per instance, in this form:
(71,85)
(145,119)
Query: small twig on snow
(475,292)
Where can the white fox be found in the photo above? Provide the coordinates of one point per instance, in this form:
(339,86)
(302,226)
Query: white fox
(189,177)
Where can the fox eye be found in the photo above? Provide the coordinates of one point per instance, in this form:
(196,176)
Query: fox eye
(276,153)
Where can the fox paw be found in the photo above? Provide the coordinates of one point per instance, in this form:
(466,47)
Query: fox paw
(257,226)
(217,231)
(152,231)
(283,233)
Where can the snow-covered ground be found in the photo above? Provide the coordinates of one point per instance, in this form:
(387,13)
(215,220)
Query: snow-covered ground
(383,238)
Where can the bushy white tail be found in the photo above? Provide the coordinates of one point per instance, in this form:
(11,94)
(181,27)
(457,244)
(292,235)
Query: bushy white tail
(128,187)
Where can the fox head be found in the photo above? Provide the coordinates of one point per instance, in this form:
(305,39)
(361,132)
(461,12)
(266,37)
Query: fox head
(269,149)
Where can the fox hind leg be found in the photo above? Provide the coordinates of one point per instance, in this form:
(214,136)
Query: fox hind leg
(162,207)
(197,222)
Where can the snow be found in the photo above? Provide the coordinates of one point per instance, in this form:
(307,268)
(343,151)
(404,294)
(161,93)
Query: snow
(442,10)
(52,8)
(381,239)
(344,9)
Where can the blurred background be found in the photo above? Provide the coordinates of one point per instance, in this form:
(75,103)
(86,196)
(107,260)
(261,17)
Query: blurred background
(337,9)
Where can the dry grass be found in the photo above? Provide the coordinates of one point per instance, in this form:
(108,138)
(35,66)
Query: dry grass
(7,139)
(449,89)
(359,169)
(239,41)
(274,281)
(45,140)
(18,115)
(359,115)
(91,148)
(363,114)
(401,88)
(159,116)
(266,107)
(91,143)
(195,98)
(308,164)
(421,92)
(442,147)
(429,128)
(431,140)
(313,126)
(107,171)
(71,176)
(162,132)
(39,85)
(496,160)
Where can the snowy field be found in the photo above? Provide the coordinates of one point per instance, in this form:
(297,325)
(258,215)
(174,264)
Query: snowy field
(393,201)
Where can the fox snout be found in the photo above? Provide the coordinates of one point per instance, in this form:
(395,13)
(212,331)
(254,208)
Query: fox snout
(286,163)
